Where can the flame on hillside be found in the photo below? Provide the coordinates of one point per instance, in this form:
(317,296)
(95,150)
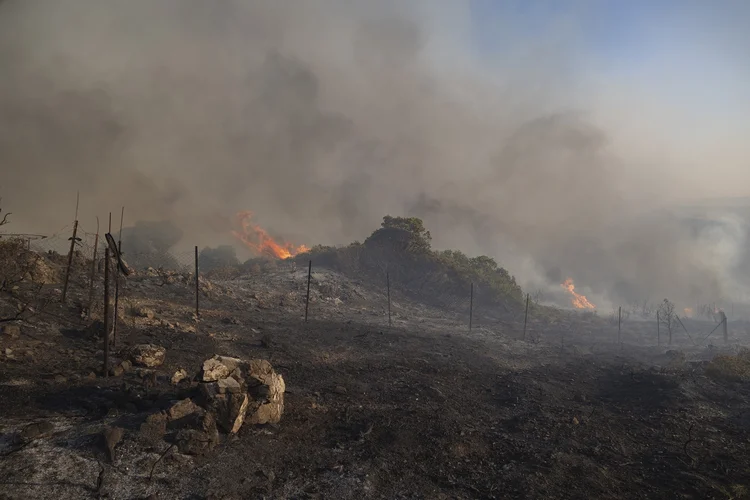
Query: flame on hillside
(688,311)
(579,301)
(259,241)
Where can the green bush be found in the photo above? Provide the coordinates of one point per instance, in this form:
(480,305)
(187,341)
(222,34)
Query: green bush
(402,246)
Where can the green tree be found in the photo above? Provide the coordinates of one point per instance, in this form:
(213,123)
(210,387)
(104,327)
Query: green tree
(420,239)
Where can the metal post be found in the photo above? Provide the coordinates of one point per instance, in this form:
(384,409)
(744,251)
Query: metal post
(197,300)
(93,269)
(70,260)
(669,330)
(106,312)
(307,299)
(471,305)
(388,287)
(117,281)
(526,316)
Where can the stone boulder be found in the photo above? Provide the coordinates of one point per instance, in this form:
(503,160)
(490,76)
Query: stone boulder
(11,331)
(266,389)
(201,440)
(238,391)
(148,355)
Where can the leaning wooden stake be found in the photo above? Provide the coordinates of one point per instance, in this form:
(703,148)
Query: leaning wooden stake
(93,269)
(388,288)
(197,300)
(471,306)
(70,260)
(106,312)
(526,316)
(72,248)
(724,326)
(307,298)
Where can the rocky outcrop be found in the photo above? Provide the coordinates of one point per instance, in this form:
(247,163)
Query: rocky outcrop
(148,355)
(230,392)
(240,391)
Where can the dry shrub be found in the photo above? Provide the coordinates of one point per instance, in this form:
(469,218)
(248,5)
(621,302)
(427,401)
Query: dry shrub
(729,368)
(224,273)
(17,264)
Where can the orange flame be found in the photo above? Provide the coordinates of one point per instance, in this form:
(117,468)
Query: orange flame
(688,312)
(259,241)
(579,301)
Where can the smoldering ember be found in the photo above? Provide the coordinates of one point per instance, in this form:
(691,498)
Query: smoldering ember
(335,249)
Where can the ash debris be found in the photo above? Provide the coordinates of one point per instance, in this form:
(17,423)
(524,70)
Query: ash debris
(348,403)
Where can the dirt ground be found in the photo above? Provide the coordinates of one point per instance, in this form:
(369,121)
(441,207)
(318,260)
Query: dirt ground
(421,409)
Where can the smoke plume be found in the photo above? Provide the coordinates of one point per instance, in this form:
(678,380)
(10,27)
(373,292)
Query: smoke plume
(322,116)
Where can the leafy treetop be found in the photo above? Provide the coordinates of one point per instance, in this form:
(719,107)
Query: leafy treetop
(421,238)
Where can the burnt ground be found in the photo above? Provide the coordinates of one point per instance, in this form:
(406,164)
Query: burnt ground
(421,409)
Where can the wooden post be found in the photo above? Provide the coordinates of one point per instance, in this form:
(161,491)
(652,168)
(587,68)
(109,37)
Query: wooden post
(93,269)
(388,288)
(307,298)
(724,326)
(669,330)
(471,305)
(619,324)
(117,282)
(106,312)
(658,341)
(70,260)
(197,288)
(526,316)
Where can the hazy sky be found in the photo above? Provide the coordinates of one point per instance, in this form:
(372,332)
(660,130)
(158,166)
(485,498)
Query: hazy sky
(678,70)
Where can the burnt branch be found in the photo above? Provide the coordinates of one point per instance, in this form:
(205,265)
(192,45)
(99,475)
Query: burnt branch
(4,220)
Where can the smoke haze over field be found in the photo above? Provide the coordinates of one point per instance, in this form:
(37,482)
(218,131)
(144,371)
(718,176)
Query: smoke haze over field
(322,116)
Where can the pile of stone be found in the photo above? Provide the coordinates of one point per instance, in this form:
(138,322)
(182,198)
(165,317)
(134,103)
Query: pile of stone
(238,391)
(230,393)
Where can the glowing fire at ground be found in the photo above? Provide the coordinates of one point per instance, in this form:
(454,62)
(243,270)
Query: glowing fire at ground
(579,301)
(688,312)
(259,241)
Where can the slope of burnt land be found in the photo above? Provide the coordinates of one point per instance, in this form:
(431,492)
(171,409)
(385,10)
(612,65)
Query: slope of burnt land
(421,409)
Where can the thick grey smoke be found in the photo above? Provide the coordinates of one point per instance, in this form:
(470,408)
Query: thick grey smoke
(322,116)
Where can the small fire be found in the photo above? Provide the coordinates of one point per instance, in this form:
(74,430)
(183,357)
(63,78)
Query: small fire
(579,301)
(688,312)
(259,241)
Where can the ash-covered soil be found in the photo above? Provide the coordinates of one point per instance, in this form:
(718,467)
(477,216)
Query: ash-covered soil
(421,409)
